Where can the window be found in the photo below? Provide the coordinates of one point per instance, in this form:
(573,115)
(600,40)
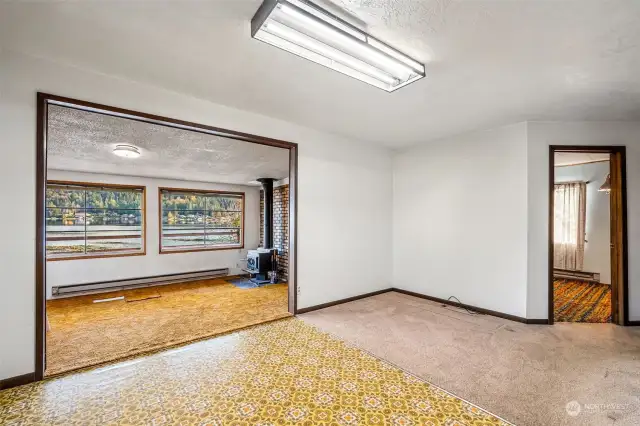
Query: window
(570,212)
(569,225)
(93,220)
(193,220)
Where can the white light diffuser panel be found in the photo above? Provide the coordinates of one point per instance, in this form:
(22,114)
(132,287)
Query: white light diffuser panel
(304,29)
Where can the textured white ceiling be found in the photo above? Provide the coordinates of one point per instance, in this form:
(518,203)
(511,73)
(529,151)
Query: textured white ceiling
(489,62)
(84,141)
(571,158)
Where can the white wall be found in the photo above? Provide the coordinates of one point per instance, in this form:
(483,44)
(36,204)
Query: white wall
(344,189)
(470,214)
(460,219)
(540,136)
(79,271)
(597,252)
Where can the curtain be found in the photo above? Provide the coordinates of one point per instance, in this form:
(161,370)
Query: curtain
(570,204)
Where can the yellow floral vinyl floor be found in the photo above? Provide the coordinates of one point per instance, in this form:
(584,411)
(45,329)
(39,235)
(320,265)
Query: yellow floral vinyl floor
(281,373)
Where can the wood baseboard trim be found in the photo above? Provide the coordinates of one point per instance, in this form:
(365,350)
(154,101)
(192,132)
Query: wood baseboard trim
(341,301)
(533,321)
(633,323)
(12,382)
(538,321)
(473,308)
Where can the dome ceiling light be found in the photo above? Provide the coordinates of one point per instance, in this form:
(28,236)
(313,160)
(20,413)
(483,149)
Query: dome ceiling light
(127,151)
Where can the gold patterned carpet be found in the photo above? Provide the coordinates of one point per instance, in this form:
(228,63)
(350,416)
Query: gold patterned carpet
(579,301)
(281,373)
(84,333)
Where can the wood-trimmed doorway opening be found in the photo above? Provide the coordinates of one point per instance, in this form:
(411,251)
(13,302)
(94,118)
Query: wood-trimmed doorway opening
(618,227)
(45,100)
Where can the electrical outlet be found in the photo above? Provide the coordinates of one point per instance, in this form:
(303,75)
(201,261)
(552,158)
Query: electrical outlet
(298,289)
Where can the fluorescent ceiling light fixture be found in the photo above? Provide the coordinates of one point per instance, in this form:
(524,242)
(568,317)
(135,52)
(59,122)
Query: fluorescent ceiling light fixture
(302,28)
(126,151)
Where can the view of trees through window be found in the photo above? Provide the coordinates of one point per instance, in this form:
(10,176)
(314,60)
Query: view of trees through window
(91,220)
(194,220)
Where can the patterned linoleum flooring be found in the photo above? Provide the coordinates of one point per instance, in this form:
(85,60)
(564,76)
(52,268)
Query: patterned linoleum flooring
(282,373)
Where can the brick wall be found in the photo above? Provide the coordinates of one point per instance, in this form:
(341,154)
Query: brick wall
(280,227)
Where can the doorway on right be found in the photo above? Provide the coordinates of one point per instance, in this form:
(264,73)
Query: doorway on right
(587,236)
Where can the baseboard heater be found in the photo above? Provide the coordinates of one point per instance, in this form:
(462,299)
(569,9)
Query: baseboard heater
(138,282)
(569,274)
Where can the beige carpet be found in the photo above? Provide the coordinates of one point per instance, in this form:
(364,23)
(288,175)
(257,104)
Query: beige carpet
(526,374)
(84,333)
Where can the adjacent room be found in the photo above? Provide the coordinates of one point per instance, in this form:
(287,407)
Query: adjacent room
(155,236)
(582,243)
(320,212)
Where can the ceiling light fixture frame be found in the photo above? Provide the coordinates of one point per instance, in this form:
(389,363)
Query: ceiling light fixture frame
(310,32)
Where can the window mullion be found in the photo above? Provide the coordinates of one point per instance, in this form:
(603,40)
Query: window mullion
(204,221)
(161,217)
(85,221)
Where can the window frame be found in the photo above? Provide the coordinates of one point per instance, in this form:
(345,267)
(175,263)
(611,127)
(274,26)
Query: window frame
(239,246)
(106,186)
